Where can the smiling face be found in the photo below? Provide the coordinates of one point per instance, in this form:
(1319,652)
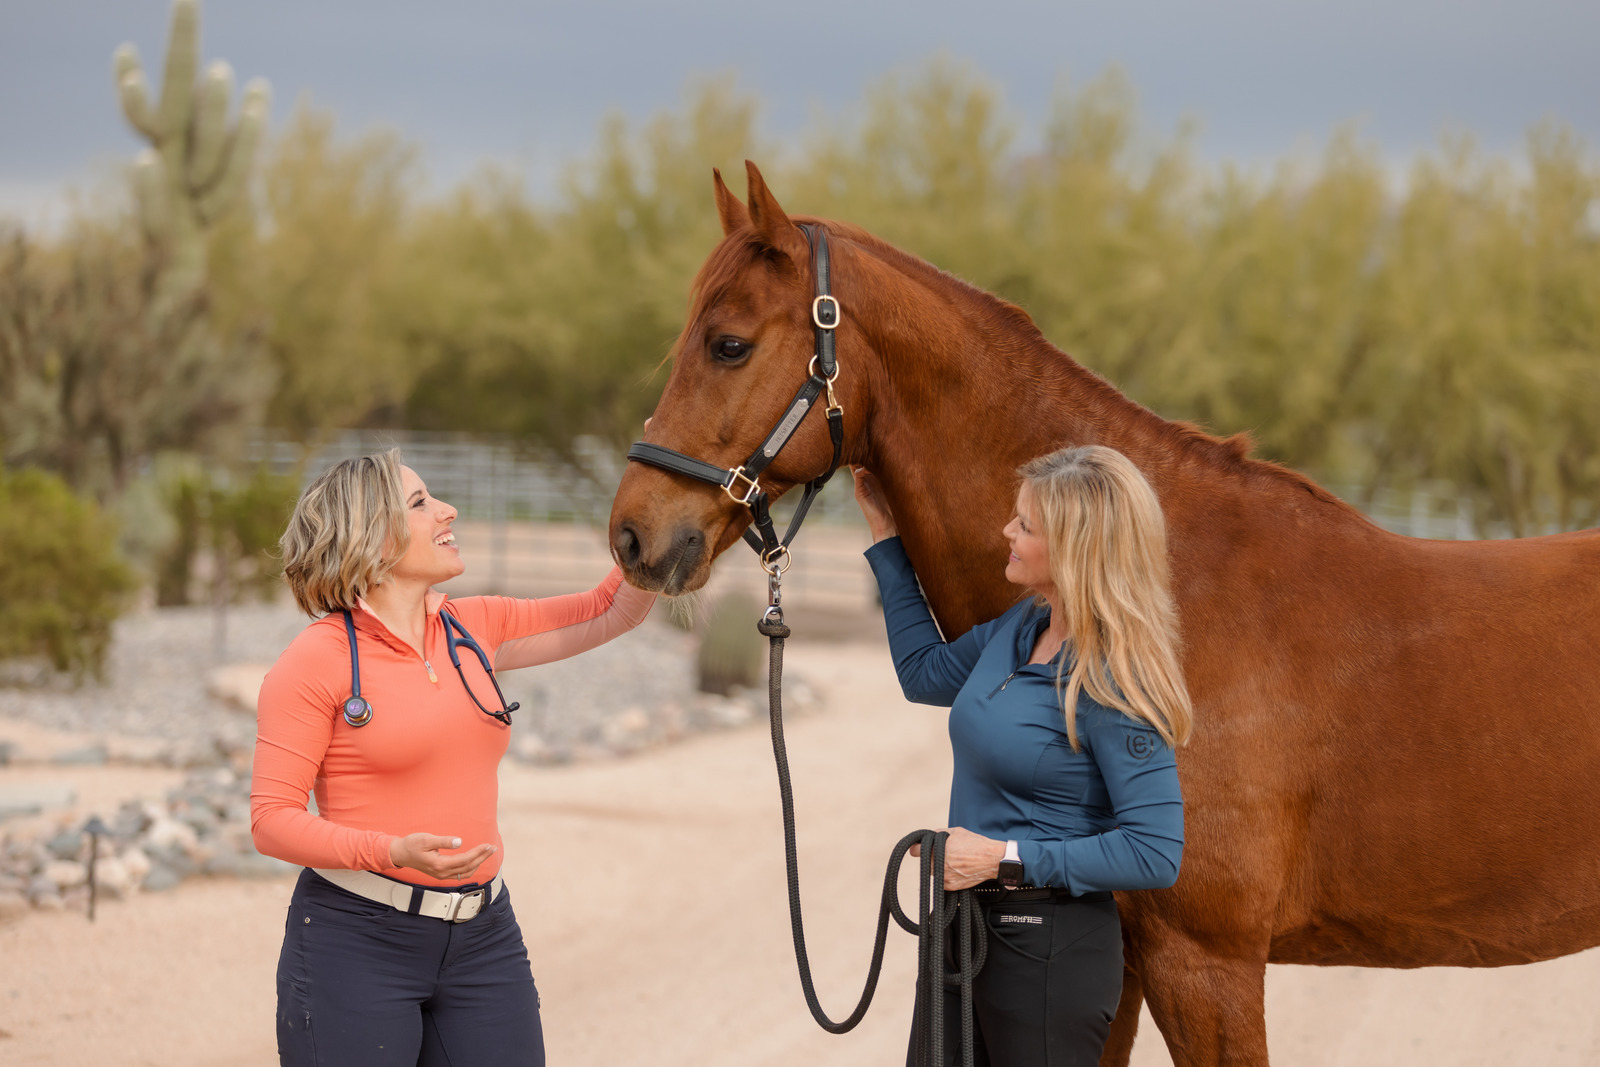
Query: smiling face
(432,556)
(1029,563)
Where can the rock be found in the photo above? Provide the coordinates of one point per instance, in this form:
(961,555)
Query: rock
(76,898)
(160,877)
(529,747)
(110,876)
(626,731)
(87,756)
(12,905)
(223,861)
(67,845)
(137,864)
(167,834)
(65,874)
(5,753)
(36,797)
(237,684)
(50,901)
(129,822)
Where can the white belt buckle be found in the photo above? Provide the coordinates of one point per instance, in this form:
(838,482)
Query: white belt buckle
(464,906)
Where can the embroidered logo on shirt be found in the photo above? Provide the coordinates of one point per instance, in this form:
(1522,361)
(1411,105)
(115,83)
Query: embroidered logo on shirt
(1035,919)
(1141,745)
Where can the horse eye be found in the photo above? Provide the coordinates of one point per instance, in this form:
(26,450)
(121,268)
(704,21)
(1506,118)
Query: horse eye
(729,350)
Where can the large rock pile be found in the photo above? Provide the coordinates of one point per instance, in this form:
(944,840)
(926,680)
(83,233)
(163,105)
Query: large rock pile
(203,827)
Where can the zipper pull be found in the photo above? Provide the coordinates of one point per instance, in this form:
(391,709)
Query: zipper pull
(1001,687)
(434,678)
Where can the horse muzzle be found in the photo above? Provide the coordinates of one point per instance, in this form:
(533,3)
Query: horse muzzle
(678,562)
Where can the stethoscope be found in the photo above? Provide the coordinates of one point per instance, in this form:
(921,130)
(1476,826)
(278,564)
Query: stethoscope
(358,711)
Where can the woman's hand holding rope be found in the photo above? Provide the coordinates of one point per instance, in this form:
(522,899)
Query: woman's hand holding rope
(969,858)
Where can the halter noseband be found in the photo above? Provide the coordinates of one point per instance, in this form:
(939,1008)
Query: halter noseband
(742,483)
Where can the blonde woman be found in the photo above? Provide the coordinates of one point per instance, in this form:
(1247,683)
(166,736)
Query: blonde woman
(401,946)
(1065,713)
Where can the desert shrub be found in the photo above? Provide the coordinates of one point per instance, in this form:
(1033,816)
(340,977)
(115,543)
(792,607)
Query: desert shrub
(63,579)
(730,647)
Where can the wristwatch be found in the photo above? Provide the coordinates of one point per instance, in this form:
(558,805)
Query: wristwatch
(1011,867)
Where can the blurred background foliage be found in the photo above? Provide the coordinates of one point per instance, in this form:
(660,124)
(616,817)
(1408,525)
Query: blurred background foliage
(1375,328)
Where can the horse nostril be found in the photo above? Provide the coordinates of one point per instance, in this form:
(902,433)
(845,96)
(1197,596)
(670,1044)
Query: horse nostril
(627,546)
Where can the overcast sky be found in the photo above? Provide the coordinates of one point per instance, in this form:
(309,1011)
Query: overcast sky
(526,83)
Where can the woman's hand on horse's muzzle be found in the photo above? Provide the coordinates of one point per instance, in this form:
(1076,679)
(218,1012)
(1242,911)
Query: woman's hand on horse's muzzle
(969,858)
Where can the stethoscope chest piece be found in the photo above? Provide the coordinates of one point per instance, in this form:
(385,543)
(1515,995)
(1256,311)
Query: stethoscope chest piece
(357,712)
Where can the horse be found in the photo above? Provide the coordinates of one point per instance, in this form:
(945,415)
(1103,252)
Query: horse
(1396,759)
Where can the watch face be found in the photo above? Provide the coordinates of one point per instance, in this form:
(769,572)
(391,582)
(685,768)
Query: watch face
(1010,873)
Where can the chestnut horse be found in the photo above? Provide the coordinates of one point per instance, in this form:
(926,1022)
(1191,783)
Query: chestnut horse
(1396,760)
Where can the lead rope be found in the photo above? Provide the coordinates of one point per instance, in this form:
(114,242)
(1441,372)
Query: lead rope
(937,909)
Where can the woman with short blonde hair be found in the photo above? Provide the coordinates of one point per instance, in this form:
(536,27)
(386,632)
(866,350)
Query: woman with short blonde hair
(1064,716)
(401,945)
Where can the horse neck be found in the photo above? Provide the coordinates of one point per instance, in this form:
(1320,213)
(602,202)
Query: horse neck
(965,389)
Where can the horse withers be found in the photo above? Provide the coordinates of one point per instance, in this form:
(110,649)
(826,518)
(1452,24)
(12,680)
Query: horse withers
(1396,760)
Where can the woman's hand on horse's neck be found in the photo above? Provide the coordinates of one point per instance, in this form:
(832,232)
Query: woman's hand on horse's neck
(402,606)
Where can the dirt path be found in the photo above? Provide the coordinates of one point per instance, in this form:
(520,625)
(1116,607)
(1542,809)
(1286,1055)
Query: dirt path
(651,893)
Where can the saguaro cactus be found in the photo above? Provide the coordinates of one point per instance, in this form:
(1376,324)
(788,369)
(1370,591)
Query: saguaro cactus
(196,163)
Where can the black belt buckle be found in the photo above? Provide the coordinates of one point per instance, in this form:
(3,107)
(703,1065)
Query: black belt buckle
(458,903)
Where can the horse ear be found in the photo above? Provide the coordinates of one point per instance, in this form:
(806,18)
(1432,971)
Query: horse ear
(729,209)
(769,219)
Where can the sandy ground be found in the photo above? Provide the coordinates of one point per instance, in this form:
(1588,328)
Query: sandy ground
(651,894)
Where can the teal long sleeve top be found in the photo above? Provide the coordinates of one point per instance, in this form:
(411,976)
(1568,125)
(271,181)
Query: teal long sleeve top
(1109,816)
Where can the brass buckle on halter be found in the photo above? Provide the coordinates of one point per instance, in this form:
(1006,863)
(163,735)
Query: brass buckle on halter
(832,314)
(751,491)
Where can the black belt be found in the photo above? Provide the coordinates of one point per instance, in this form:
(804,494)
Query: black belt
(994,893)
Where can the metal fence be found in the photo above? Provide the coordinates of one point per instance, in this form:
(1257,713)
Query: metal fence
(535,524)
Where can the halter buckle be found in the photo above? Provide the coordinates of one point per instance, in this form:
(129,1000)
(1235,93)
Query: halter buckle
(826,312)
(752,486)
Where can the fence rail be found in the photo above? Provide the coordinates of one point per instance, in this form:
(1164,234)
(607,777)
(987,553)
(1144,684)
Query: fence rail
(534,525)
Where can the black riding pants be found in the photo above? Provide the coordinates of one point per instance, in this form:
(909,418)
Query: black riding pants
(361,984)
(1048,989)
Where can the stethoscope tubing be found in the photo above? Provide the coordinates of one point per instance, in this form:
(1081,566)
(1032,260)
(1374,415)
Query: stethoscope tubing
(358,710)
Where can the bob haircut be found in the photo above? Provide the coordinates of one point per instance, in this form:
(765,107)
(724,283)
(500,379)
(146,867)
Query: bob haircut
(1107,540)
(347,533)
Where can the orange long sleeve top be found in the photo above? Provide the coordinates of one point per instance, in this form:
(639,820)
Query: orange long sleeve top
(428,760)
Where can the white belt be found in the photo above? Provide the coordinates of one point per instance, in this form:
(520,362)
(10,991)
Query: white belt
(435,903)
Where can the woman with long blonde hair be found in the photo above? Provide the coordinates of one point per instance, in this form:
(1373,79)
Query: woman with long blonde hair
(1066,712)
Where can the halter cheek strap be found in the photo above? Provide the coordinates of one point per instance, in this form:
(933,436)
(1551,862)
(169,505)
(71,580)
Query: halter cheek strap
(742,483)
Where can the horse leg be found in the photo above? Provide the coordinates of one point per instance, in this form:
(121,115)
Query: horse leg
(1210,1007)
(1125,1024)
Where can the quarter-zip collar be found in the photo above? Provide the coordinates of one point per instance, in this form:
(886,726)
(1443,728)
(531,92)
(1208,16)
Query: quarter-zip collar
(368,621)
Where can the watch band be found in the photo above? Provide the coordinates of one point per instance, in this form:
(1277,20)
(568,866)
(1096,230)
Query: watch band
(1010,872)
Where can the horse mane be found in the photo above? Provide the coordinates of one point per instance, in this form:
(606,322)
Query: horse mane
(1230,455)
(1183,440)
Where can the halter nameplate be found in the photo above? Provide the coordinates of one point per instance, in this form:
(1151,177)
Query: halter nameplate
(786,428)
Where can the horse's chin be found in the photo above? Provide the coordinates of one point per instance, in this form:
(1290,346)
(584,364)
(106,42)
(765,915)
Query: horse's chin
(671,580)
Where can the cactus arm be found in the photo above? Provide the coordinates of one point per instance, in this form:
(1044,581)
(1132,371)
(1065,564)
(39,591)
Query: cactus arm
(239,152)
(210,126)
(177,80)
(134,91)
(150,192)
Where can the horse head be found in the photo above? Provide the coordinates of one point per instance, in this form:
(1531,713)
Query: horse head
(745,349)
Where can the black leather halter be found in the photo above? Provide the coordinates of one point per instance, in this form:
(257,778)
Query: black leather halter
(742,483)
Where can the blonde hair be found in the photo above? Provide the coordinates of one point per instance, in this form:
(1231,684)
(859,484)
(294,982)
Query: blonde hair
(347,533)
(1107,541)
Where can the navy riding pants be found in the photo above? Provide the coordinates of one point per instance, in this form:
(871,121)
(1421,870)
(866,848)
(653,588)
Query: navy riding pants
(1048,988)
(361,984)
